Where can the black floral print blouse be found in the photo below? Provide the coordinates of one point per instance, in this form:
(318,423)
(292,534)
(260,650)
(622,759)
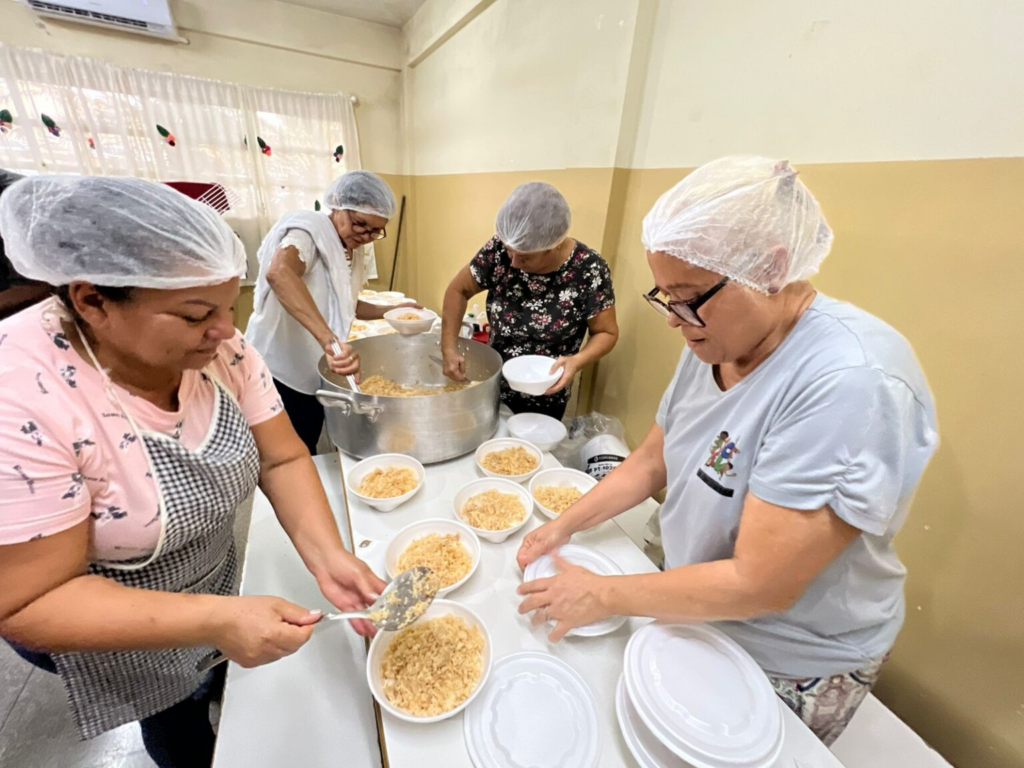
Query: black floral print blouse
(541,314)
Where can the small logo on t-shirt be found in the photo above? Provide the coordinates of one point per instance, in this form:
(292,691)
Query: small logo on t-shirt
(722,454)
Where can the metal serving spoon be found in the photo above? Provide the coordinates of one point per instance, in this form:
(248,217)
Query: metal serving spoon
(403,601)
(336,348)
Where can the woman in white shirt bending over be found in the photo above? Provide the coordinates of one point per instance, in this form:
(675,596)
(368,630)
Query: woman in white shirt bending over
(307,293)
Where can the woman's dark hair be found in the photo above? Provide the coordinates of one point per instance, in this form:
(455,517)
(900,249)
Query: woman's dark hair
(116,295)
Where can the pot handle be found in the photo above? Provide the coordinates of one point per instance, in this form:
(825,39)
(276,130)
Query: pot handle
(348,405)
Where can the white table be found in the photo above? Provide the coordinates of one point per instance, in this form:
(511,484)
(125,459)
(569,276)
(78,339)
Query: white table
(314,709)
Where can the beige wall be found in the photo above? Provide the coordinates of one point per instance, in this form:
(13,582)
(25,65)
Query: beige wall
(257,42)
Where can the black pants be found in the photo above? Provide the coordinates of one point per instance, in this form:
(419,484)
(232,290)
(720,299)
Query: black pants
(552,405)
(178,737)
(306,413)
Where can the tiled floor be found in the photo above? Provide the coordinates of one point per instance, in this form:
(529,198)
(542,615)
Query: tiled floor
(37,731)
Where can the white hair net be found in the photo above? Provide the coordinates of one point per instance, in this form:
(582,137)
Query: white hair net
(115,232)
(535,217)
(363,192)
(730,217)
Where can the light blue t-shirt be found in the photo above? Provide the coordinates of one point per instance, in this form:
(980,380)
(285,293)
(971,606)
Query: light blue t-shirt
(840,414)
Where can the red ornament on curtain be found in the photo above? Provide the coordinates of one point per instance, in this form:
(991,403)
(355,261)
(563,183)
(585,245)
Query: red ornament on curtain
(338,152)
(264,147)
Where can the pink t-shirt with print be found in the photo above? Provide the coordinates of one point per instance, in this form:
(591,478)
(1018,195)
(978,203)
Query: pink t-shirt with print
(68,453)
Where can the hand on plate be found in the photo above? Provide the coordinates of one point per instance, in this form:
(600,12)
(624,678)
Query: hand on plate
(541,541)
(345,364)
(569,366)
(350,585)
(572,598)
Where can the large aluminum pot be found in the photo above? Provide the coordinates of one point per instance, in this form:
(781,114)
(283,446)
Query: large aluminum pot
(431,428)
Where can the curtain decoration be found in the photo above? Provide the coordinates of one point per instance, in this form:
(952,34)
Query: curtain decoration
(64,114)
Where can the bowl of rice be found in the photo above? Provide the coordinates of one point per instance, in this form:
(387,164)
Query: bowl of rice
(509,459)
(555,490)
(387,481)
(433,669)
(493,508)
(449,548)
(410,321)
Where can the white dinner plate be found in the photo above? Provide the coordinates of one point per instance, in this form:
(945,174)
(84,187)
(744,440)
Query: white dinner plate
(646,750)
(535,712)
(702,696)
(544,567)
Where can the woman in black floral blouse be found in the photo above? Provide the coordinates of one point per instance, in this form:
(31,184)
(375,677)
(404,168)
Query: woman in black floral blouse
(546,291)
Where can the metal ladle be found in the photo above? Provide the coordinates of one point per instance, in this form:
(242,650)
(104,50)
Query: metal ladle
(403,601)
(336,348)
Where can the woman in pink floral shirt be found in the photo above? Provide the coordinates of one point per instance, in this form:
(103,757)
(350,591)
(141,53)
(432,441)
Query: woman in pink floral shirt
(133,420)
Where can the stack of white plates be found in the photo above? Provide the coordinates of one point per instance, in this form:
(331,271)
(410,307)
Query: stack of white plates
(535,712)
(690,696)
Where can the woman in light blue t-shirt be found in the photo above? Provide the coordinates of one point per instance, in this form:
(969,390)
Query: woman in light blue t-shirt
(790,441)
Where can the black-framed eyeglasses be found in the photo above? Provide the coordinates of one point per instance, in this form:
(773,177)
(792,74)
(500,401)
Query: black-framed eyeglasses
(361,228)
(684,310)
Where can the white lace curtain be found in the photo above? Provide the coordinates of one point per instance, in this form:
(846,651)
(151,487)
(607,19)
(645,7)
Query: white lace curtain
(273,151)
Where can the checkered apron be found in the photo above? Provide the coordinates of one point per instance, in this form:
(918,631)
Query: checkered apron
(199,492)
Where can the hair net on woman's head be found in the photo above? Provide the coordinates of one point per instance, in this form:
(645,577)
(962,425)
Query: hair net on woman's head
(115,232)
(363,192)
(732,215)
(535,217)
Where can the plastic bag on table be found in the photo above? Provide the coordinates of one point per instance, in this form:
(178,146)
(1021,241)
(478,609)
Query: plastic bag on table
(595,444)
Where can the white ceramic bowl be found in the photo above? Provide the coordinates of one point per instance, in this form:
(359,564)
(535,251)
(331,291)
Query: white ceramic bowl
(382,640)
(500,444)
(530,374)
(391,294)
(410,533)
(561,476)
(411,327)
(466,492)
(359,471)
(543,431)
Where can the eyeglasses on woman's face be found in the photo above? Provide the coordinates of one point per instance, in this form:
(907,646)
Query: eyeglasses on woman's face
(361,227)
(684,310)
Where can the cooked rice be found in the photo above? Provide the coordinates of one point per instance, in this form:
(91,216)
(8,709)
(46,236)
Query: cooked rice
(387,482)
(510,461)
(557,498)
(433,666)
(409,316)
(444,554)
(358,327)
(493,510)
(378,385)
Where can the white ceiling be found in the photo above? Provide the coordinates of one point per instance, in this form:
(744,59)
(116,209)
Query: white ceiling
(393,13)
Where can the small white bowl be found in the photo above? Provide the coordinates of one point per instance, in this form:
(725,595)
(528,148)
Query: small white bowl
(391,294)
(411,327)
(530,374)
(360,470)
(466,492)
(500,444)
(543,431)
(559,477)
(441,526)
(382,640)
